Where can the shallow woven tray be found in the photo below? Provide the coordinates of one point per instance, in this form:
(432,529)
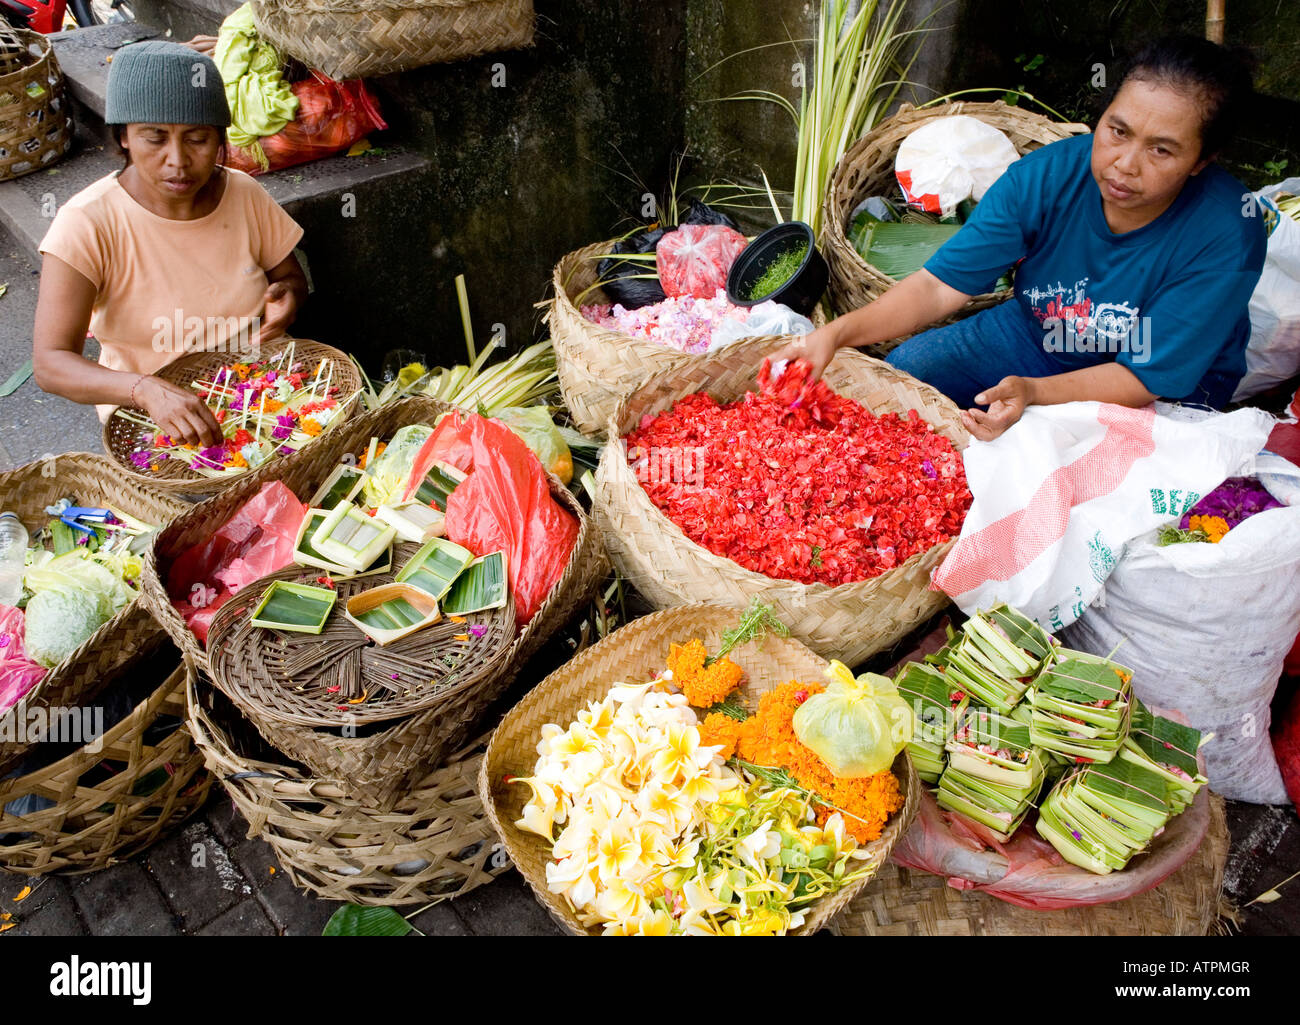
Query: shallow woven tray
(587,566)
(91,827)
(598,368)
(338,848)
(120,436)
(639,651)
(905,902)
(850,622)
(35,131)
(867,169)
(93,481)
(364,38)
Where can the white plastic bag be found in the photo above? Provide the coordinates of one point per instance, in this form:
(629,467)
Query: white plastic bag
(1060,494)
(765,318)
(951,159)
(1273,353)
(1205,627)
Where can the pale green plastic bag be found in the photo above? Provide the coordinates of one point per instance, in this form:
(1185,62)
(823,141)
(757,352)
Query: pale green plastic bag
(857,727)
(387,476)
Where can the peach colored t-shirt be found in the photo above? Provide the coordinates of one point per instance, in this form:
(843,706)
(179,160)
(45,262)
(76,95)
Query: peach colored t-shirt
(165,287)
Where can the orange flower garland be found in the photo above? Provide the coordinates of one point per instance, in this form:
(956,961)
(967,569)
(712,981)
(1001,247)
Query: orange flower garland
(703,686)
(720,730)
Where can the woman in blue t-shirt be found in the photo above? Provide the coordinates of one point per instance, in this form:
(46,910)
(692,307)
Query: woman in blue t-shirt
(1135,258)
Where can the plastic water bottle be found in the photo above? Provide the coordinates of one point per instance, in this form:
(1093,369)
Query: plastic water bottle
(13,553)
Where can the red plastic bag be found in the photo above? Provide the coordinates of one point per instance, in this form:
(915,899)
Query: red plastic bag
(18,673)
(259,539)
(504,504)
(331,117)
(1286,745)
(696,258)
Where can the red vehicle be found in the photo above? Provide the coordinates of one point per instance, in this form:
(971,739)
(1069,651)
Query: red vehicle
(47,16)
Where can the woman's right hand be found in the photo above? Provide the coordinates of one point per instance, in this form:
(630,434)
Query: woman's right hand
(816,349)
(179,413)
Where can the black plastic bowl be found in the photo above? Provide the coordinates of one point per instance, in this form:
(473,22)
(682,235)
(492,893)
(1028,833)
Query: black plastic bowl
(806,285)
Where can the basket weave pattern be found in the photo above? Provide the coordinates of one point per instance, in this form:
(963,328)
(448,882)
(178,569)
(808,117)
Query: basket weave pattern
(638,652)
(93,827)
(92,481)
(599,368)
(340,849)
(35,130)
(364,38)
(121,437)
(867,169)
(850,622)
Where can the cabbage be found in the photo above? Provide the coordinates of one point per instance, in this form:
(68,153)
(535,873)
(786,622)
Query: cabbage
(59,622)
(388,473)
(78,572)
(857,727)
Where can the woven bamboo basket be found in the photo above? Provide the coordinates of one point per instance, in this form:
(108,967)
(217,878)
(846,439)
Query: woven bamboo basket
(586,568)
(434,843)
(364,38)
(120,436)
(867,169)
(638,652)
(599,368)
(35,118)
(850,622)
(93,481)
(905,902)
(384,745)
(93,825)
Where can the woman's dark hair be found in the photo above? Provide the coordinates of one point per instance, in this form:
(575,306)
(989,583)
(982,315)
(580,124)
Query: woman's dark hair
(1220,76)
(119,132)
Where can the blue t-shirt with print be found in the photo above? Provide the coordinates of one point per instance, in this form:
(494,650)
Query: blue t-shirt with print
(1168,300)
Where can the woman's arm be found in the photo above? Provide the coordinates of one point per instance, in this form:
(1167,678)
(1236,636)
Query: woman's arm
(1108,382)
(915,302)
(63,309)
(286,291)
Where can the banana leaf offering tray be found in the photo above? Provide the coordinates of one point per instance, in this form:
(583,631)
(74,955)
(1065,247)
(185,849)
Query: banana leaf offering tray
(344,675)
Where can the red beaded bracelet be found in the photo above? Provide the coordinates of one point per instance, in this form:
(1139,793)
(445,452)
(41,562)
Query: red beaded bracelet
(134,387)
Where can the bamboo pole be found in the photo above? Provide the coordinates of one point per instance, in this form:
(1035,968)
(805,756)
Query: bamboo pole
(1215,16)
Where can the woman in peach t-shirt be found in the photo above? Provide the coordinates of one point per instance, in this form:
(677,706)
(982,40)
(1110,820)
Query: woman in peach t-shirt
(175,253)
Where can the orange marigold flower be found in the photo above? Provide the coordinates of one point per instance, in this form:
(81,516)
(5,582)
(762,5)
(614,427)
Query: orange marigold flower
(720,730)
(272,406)
(1214,526)
(703,687)
(310,427)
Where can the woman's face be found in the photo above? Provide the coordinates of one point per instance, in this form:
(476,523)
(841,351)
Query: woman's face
(176,160)
(1147,144)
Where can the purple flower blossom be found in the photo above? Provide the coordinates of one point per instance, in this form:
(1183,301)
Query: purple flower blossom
(928,469)
(213,453)
(285,420)
(1075,833)
(269,376)
(141,459)
(4,640)
(478,630)
(1235,500)
(280,433)
(285,450)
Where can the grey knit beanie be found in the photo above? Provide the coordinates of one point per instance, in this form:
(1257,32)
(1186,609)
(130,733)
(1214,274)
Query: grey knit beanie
(157,82)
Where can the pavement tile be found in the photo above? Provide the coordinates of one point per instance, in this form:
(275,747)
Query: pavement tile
(255,858)
(226,823)
(48,911)
(505,907)
(244,919)
(197,876)
(124,901)
(440,920)
(292,911)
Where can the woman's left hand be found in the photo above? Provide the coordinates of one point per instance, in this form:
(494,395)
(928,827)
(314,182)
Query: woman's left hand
(1006,401)
(281,306)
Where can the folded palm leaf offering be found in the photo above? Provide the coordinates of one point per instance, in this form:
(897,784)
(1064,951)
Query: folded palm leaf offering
(1000,807)
(1081,706)
(937,707)
(1168,749)
(995,657)
(995,748)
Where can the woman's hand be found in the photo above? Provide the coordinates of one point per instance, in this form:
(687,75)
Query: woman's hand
(179,413)
(1006,401)
(281,306)
(816,349)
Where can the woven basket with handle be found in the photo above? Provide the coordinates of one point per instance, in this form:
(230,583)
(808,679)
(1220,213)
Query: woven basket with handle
(364,38)
(867,169)
(905,902)
(94,482)
(122,437)
(155,785)
(598,368)
(35,119)
(639,652)
(586,568)
(850,622)
(433,843)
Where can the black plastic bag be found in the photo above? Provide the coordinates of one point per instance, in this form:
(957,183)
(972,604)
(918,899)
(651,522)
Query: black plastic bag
(701,214)
(616,276)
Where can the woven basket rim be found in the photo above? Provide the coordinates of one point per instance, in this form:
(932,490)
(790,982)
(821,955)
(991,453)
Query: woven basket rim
(29,37)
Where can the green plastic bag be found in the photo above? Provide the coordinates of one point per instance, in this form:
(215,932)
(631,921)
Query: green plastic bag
(537,430)
(387,476)
(857,727)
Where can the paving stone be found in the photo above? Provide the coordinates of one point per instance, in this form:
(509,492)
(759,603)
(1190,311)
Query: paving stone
(246,919)
(227,824)
(292,911)
(199,892)
(48,911)
(504,907)
(441,919)
(124,901)
(255,859)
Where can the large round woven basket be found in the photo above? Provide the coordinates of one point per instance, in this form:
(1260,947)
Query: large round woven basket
(435,842)
(635,652)
(121,436)
(599,368)
(35,119)
(850,622)
(905,902)
(867,169)
(155,785)
(303,474)
(374,749)
(93,481)
(364,38)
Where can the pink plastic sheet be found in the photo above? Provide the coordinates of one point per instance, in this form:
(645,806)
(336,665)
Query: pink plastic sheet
(18,673)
